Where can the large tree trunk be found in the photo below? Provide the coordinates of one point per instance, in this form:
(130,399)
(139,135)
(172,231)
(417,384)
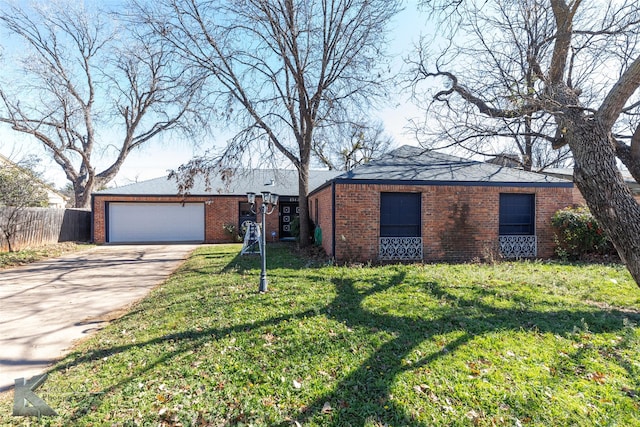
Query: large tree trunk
(82,192)
(82,197)
(601,184)
(303,204)
(88,182)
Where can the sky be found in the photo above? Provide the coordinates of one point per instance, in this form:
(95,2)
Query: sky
(168,152)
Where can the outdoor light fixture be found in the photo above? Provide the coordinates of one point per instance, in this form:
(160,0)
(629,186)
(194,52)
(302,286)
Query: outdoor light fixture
(266,207)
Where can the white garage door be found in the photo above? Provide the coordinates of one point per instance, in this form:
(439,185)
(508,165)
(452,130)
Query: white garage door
(156,222)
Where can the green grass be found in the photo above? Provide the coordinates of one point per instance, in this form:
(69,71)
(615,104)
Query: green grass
(531,344)
(29,255)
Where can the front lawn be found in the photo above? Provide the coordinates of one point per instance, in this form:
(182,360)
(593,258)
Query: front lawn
(510,344)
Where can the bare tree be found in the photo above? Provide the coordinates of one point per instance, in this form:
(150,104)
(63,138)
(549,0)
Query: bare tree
(509,38)
(343,146)
(280,69)
(90,87)
(585,78)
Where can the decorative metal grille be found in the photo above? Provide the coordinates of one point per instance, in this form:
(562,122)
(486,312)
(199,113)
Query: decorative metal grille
(401,248)
(516,246)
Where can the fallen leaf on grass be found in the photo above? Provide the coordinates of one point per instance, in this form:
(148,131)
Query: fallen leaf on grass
(326,408)
(473,415)
(296,384)
(598,377)
(420,388)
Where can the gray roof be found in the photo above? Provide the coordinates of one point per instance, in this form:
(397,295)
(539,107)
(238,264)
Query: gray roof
(416,165)
(285,182)
(407,164)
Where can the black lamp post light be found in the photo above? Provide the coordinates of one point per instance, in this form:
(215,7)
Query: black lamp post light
(267,207)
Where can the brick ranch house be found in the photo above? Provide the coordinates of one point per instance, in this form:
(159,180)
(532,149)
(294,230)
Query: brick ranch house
(153,211)
(423,205)
(410,205)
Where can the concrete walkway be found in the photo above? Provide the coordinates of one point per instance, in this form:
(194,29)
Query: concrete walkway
(47,305)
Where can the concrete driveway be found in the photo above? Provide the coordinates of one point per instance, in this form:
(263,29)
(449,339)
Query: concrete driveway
(47,305)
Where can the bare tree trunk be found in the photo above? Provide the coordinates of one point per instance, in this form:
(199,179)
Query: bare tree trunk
(303,203)
(7,237)
(608,197)
(82,196)
(527,161)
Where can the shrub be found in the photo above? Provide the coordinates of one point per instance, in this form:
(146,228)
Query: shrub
(231,230)
(578,235)
(295,228)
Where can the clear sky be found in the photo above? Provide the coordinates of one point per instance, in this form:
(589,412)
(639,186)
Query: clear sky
(166,152)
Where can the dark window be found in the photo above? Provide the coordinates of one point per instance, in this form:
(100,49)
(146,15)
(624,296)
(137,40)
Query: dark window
(517,214)
(400,214)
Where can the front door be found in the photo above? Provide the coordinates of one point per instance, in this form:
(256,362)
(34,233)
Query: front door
(289,211)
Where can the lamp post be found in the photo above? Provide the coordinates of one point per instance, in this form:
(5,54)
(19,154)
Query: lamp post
(267,206)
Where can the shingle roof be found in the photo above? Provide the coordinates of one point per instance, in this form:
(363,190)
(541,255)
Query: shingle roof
(406,164)
(285,182)
(409,164)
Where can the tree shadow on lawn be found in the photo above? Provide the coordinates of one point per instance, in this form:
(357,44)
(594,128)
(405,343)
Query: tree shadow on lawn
(364,394)
(279,255)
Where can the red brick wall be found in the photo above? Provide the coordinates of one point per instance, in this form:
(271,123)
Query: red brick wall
(459,223)
(577,197)
(219,211)
(273,222)
(325,216)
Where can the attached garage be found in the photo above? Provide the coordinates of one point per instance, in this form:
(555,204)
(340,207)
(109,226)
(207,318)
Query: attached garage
(155,222)
(156,211)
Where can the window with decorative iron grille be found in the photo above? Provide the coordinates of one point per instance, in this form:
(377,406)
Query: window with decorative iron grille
(517,225)
(400,226)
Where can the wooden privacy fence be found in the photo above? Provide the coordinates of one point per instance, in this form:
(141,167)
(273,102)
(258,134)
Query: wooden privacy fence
(41,226)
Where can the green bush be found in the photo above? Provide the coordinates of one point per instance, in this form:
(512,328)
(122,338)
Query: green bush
(578,235)
(232,231)
(295,228)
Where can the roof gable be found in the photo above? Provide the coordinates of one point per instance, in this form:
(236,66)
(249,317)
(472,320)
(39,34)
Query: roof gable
(417,165)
